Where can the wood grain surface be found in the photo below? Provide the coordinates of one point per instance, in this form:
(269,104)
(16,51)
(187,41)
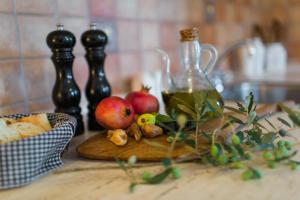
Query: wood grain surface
(99,147)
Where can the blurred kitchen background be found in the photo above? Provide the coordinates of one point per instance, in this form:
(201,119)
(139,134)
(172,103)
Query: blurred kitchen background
(135,29)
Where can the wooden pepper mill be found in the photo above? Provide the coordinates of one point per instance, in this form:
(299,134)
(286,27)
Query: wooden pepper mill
(97,88)
(65,93)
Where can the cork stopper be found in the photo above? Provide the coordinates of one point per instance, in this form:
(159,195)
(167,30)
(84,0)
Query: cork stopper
(189,34)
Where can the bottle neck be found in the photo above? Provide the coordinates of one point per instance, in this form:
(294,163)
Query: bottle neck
(191,54)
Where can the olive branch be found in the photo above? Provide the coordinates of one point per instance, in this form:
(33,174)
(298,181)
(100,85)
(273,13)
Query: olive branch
(247,139)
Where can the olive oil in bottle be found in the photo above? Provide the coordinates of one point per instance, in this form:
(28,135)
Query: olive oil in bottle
(192,100)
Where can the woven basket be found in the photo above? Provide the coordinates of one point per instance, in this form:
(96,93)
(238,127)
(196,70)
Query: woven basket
(23,161)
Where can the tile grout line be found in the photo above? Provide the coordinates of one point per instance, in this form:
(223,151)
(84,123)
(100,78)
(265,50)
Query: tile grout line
(56,20)
(56,16)
(21,59)
(140,48)
(43,99)
(140,62)
(14,105)
(47,56)
(87,13)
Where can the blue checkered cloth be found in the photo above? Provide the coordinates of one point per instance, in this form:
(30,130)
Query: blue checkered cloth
(23,161)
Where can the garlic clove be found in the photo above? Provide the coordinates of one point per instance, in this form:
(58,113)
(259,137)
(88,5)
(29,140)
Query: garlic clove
(134,131)
(118,137)
(150,130)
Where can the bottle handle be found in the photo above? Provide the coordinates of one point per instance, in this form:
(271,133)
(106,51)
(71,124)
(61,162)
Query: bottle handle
(213,55)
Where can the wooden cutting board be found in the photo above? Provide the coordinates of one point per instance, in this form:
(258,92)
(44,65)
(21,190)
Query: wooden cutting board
(98,147)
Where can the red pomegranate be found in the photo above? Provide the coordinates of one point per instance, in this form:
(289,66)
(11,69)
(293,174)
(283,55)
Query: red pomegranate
(142,101)
(114,113)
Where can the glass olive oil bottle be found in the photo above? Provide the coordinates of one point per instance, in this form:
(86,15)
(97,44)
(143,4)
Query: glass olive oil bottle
(190,90)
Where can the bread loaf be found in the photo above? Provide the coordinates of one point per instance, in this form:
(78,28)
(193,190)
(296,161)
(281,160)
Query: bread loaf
(39,119)
(12,129)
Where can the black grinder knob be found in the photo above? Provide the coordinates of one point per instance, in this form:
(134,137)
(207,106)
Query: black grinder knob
(97,88)
(66,93)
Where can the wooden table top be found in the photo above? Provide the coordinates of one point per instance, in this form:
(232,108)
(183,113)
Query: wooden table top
(89,179)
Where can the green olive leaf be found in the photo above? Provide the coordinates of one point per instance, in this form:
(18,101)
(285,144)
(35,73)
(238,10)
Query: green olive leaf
(234,110)
(256,173)
(190,142)
(295,161)
(132,187)
(251,117)
(163,119)
(293,115)
(121,164)
(228,123)
(249,102)
(210,106)
(240,150)
(268,121)
(286,157)
(284,122)
(240,134)
(260,125)
(255,135)
(188,111)
(168,127)
(158,178)
(268,138)
(241,107)
(235,120)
